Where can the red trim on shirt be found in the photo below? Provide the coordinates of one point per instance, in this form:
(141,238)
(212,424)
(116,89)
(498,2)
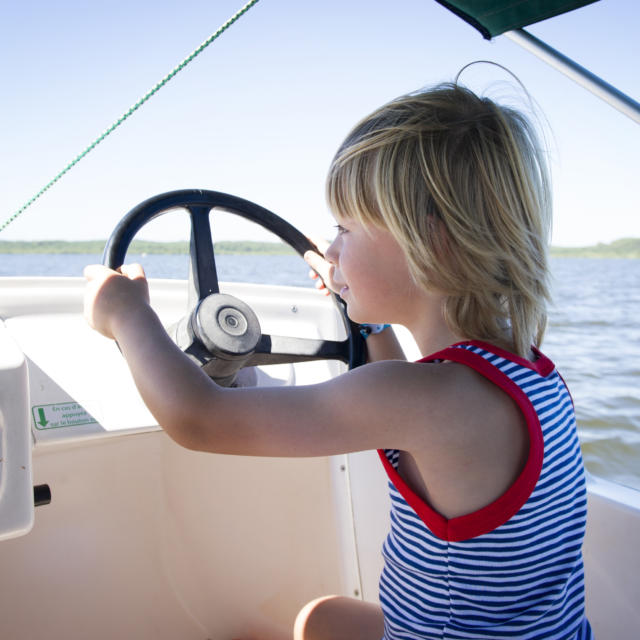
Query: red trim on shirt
(541,364)
(509,503)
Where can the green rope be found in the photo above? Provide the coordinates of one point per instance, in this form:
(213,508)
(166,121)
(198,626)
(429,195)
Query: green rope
(136,106)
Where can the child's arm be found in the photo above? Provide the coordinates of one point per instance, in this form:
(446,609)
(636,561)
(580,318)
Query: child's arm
(383,405)
(349,413)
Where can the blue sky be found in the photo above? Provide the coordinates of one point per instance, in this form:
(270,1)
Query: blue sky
(260,113)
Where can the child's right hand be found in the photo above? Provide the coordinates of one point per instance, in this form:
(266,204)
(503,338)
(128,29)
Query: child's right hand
(320,267)
(113,296)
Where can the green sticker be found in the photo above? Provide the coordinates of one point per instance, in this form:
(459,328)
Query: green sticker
(62,414)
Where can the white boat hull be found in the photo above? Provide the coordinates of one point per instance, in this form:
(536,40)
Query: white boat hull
(144,539)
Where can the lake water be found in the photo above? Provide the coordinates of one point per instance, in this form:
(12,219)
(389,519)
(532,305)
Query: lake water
(593,336)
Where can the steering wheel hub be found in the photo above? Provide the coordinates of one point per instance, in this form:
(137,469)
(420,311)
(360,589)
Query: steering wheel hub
(226,326)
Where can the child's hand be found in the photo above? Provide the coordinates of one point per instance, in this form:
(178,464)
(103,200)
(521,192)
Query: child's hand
(111,296)
(320,268)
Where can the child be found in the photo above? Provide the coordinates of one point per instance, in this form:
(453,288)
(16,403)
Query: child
(442,205)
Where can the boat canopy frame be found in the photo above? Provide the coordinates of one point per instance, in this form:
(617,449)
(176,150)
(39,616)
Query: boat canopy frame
(509,17)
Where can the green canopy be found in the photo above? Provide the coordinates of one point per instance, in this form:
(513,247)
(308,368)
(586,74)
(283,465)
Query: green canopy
(493,17)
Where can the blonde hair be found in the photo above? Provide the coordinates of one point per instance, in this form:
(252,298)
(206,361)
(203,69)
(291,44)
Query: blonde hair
(462,184)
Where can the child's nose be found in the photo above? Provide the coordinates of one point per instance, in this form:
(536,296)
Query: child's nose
(331,254)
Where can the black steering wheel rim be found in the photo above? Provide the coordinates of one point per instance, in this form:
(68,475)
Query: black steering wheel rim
(200,203)
(116,248)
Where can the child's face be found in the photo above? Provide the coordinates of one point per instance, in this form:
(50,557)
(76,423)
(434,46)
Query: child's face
(369,271)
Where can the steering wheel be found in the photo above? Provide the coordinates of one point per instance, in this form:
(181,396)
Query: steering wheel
(220,332)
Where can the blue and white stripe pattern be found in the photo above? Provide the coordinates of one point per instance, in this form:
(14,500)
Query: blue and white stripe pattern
(523,579)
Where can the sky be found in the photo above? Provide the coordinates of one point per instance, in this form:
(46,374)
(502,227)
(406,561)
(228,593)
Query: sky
(260,112)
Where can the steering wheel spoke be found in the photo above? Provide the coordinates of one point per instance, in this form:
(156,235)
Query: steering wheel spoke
(285,349)
(203,275)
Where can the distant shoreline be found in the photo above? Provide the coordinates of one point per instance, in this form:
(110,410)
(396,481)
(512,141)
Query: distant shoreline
(138,247)
(623,248)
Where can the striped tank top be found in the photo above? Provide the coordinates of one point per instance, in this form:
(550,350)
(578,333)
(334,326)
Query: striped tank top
(512,569)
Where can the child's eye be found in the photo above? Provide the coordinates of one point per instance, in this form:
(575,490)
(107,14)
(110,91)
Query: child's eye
(340,229)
